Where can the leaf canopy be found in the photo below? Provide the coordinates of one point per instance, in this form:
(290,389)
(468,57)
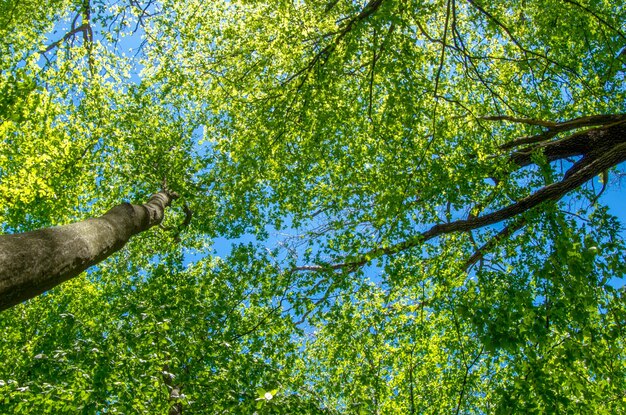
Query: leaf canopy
(410,187)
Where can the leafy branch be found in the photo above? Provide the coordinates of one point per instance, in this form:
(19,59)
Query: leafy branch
(601,149)
(325,53)
(85,28)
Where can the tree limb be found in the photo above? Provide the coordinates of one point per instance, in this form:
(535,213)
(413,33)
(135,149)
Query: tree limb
(602,158)
(554,128)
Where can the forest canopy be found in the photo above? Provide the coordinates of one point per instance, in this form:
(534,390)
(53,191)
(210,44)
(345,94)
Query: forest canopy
(389,206)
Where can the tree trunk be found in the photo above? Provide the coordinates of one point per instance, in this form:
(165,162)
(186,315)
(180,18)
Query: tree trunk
(33,262)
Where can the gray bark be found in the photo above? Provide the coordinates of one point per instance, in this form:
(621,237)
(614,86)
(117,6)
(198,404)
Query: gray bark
(34,262)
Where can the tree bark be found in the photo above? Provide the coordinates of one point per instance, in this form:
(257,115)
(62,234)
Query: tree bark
(34,262)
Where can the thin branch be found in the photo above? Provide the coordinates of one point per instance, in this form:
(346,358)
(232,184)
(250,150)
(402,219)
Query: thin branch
(325,53)
(443,48)
(316,303)
(599,18)
(411,386)
(465,379)
(586,121)
(514,39)
(82,28)
(529,121)
(533,139)
(372,75)
(508,230)
(605,180)
(467,57)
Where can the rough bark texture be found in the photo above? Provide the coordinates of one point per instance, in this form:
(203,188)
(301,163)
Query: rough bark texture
(33,262)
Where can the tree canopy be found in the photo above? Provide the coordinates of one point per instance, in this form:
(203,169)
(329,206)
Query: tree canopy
(412,190)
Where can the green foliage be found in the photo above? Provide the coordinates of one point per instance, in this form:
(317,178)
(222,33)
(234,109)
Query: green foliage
(329,137)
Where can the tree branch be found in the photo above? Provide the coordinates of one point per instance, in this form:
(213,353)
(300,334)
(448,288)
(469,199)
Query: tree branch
(577,144)
(600,19)
(609,154)
(324,54)
(508,230)
(82,28)
(515,40)
(554,128)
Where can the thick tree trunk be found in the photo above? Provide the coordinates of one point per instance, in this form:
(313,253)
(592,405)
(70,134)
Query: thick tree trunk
(33,262)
